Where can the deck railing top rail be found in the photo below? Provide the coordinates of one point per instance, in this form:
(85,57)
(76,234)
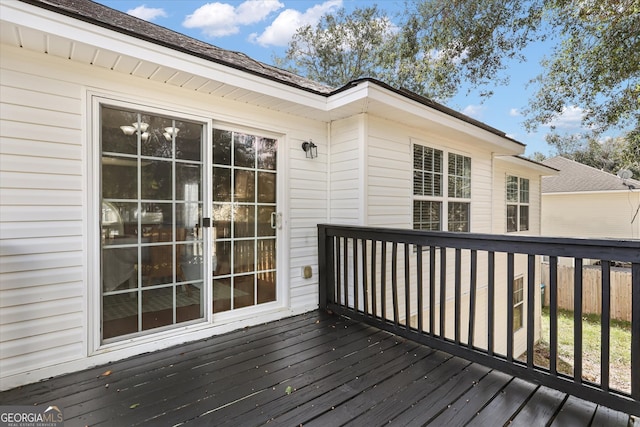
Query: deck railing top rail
(611,249)
(478,296)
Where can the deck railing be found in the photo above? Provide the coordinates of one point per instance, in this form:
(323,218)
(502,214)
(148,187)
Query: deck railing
(478,296)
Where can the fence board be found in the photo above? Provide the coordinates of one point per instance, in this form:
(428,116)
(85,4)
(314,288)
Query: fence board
(592,290)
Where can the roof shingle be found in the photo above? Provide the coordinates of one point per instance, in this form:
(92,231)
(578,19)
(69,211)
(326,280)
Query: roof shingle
(576,177)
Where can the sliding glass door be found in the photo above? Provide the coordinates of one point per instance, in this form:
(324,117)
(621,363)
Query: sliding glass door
(151,208)
(188,221)
(245,220)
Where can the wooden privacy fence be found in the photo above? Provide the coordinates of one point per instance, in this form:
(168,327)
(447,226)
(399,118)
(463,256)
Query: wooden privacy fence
(620,297)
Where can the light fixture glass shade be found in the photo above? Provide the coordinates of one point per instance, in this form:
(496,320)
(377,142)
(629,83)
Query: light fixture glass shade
(172,130)
(142,126)
(128,130)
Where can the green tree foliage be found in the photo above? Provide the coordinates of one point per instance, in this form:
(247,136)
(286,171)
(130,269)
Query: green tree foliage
(437,46)
(595,65)
(340,48)
(610,155)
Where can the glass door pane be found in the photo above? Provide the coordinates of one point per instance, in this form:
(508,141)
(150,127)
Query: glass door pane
(244,219)
(151,239)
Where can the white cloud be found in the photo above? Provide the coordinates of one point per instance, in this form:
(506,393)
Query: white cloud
(222,19)
(474,111)
(285,25)
(147,13)
(514,112)
(570,118)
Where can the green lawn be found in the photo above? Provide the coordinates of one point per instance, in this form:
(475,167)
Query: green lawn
(620,354)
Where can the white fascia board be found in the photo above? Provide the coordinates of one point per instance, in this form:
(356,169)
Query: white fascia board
(48,22)
(543,170)
(354,94)
(503,145)
(368,92)
(594,192)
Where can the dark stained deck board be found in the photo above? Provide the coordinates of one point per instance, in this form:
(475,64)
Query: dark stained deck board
(340,372)
(606,417)
(271,378)
(575,412)
(540,409)
(131,369)
(347,380)
(466,406)
(129,377)
(358,397)
(243,369)
(434,386)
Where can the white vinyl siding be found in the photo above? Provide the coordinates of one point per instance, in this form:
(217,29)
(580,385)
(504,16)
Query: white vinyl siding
(41,220)
(591,215)
(46,274)
(345,175)
(388,174)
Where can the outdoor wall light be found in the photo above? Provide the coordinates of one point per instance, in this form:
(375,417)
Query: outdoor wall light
(310,149)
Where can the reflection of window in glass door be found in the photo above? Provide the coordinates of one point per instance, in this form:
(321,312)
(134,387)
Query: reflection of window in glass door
(151,198)
(244,220)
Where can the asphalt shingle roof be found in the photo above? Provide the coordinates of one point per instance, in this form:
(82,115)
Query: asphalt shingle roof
(576,177)
(121,22)
(115,20)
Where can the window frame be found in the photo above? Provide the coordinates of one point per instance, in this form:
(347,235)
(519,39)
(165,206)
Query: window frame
(517,211)
(450,194)
(518,303)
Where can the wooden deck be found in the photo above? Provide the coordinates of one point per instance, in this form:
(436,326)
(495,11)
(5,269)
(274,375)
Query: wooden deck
(312,370)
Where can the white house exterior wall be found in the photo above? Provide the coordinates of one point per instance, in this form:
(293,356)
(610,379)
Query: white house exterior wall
(591,214)
(49,233)
(46,189)
(345,176)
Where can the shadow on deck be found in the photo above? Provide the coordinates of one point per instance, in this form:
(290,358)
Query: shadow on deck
(314,369)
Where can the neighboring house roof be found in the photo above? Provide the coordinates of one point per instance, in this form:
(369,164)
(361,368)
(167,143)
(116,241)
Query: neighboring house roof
(575,177)
(106,17)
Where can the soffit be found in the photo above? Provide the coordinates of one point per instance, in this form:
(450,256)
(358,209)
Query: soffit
(39,30)
(44,31)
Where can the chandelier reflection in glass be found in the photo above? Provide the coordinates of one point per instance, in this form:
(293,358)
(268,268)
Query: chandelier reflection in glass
(141,129)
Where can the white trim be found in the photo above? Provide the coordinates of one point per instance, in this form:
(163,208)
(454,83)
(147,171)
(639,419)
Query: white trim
(363,178)
(37,19)
(577,193)
(517,204)
(149,343)
(361,97)
(176,333)
(283,297)
(445,198)
(521,162)
(94,300)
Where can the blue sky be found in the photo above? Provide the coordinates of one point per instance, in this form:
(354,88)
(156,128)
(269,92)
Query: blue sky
(262,28)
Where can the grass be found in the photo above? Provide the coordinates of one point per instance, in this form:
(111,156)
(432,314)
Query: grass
(620,348)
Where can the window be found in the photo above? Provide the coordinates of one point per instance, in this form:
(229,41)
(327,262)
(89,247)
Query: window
(518,303)
(436,194)
(517,204)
